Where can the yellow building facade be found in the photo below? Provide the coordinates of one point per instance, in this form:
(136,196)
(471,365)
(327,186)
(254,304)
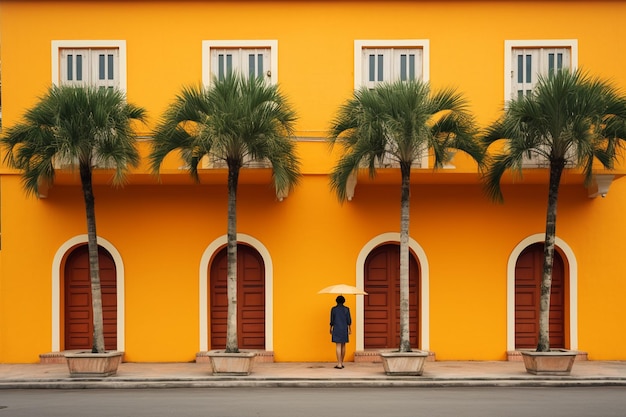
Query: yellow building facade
(164,235)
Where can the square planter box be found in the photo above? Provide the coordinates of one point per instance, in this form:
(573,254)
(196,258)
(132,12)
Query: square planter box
(554,362)
(86,364)
(404,363)
(231,363)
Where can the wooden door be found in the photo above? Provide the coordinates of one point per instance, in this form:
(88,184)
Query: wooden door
(528,273)
(250,299)
(78,310)
(382,305)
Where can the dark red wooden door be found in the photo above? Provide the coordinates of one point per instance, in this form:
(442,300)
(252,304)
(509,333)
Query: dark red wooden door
(250,299)
(382,305)
(78,310)
(528,272)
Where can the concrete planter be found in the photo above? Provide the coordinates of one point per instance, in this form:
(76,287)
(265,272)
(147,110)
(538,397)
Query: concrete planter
(404,363)
(554,362)
(231,363)
(86,364)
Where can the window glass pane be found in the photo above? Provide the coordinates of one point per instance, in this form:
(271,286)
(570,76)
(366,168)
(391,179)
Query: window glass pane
(520,69)
(412,67)
(79,67)
(520,93)
(229,64)
(251,65)
(110,65)
(220,67)
(372,60)
(101,66)
(70,66)
(380,67)
(550,64)
(559,61)
(529,67)
(403,65)
(260,69)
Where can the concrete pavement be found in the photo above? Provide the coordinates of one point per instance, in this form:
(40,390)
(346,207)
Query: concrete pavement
(316,374)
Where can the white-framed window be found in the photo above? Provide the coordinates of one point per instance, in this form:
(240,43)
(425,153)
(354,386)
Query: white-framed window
(251,58)
(525,60)
(98,63)
(377,61)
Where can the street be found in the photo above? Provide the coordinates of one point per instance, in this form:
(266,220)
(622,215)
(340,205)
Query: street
(314,402)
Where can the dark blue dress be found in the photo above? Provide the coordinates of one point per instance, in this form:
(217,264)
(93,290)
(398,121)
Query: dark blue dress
(340,320)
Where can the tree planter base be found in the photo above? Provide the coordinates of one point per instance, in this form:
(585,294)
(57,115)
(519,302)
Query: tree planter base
(404,363)
(86,364)
(231,363)
(554,362)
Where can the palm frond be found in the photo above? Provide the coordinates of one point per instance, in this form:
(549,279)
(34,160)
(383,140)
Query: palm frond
(570,117)
(399,121)
(236,119)
(73,124)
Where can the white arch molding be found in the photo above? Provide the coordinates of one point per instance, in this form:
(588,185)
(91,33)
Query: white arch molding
(424,289)
(56,288)
(573,289)
(213,247)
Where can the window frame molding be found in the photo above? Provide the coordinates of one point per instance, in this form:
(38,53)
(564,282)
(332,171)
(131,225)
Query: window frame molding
(509,45)
(207,45)
(120,45)
(360,44)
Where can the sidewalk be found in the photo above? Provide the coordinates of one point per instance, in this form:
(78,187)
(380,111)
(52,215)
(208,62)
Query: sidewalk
(317,374)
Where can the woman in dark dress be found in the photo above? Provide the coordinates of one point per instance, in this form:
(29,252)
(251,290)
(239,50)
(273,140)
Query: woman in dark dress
(340,322)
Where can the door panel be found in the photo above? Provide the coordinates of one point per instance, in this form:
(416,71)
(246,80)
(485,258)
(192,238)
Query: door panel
(528,274)
(78,310)
(382,305)
(250,299)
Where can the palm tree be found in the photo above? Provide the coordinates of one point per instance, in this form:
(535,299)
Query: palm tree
(569,119)
(236,120)
(83,127)
(400,122)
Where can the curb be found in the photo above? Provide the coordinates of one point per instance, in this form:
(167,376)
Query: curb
(73,383)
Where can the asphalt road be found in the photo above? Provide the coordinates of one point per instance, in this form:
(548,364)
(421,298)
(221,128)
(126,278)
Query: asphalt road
(317,402)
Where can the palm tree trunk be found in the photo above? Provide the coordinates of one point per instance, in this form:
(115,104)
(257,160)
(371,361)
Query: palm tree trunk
(405,341)
(556,169)
(94,267)
(231,324)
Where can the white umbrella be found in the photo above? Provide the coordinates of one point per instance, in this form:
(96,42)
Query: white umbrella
(342,289)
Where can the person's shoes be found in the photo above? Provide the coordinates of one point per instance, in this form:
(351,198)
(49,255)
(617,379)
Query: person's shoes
(342,366)
(338,367)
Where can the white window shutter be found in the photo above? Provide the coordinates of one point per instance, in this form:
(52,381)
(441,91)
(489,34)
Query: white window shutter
(256,63)
(376,66)
(407,64)
(74,65)
(105,68)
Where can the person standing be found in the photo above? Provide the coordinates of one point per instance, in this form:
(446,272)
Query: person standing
(340,328)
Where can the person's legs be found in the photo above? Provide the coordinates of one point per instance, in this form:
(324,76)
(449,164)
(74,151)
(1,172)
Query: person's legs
(343,353)
(338,348)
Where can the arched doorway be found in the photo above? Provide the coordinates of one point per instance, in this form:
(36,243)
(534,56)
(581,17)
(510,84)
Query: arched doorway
(78,311)
(382,304)
(528,274)
(250,299)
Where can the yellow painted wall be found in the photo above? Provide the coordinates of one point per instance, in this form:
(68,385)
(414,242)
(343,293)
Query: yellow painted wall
(162,230)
